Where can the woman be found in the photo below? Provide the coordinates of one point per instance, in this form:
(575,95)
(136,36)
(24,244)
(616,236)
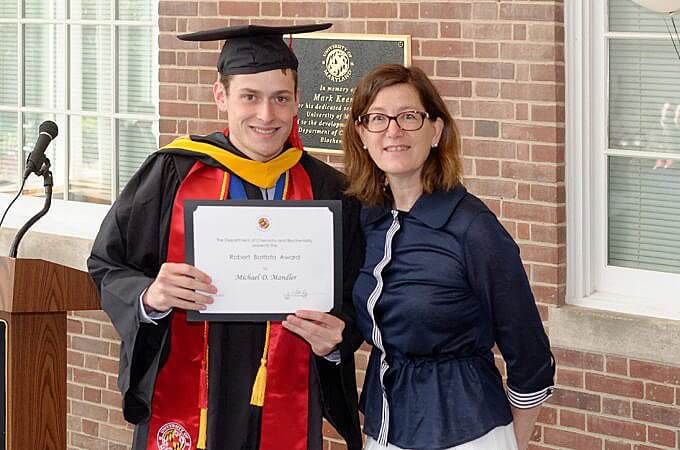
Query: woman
(442,283)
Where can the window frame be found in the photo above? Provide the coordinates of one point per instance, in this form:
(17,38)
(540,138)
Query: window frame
(69,112)
(590,281)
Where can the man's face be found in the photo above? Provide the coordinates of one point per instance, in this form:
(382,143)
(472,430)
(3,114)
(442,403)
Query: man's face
(260,110)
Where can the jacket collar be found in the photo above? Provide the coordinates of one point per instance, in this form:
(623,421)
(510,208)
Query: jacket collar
(433,210)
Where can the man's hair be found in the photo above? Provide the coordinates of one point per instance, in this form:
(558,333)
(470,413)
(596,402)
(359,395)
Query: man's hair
(442,169)
(226,79)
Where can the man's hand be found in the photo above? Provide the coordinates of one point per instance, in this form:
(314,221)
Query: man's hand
(175,287)
(322,330)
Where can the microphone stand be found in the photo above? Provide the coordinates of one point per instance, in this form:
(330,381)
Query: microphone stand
(46,173)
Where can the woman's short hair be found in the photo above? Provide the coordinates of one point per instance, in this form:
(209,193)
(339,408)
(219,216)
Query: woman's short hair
(442,169)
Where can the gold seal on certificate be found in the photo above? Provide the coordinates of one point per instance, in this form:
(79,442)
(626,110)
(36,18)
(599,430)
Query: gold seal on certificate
(267,259)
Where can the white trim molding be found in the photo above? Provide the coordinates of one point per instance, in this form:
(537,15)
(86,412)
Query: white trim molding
(591,282)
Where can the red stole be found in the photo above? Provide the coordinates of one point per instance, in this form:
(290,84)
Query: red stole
(175,409)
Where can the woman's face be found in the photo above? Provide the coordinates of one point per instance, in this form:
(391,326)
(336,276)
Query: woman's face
(396,152)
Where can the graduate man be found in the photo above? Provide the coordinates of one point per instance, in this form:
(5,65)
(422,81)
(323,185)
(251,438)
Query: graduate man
(227,386)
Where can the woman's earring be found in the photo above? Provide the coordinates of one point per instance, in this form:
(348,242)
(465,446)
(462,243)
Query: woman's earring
(435,145)
(365,148)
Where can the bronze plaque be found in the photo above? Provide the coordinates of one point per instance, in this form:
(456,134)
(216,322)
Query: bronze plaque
(331,64)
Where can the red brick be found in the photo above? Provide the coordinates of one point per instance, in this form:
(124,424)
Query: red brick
(271,9)
(454,88)
(568,377)
(376,27)
(521,51)
(207,9)
(245,9)
(547,113)
(486,128)
(523,231)
(546,33)
(519,32)
(447,49)
(167,58)
(521,111)
(549,13)
(170,42)
(337,9)
(532,171)
(168,109)
(180,76)
(655,372)
(614,427)
(570,440)
(88,442)
(373,10)
(533,133)
(488,70)
(415,29)
(447,68)
(574,399)
(659,393)
(523,190)
(173,8)
(486,50)
(547,72)
(450,29)
(89,345)
(548,233)
(409,10)
(489,168)
(547,415)
(493,188)
(484,10)
(656,414)
(616,365)
(612,445)
(531,91)
(487,31)
(445,10)
(547,153)
(551,194)
(572,419)
(350,26)
(661,436)
(304,9)
(487,89)
(530,213)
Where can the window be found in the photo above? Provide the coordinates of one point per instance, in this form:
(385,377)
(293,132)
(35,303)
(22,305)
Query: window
(624,150)
(90,66)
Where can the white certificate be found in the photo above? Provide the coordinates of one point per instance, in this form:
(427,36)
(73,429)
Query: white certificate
(266,259)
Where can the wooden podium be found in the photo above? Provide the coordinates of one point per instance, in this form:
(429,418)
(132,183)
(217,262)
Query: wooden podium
(34,298)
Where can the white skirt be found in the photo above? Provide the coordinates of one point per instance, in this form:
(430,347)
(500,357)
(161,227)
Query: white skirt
(500,438)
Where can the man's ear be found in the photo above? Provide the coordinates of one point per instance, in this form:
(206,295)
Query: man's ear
(220,96)
(297,102)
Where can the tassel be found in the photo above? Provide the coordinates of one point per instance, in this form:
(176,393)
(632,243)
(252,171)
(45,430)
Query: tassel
(202,429)
(260,384)
(203,394)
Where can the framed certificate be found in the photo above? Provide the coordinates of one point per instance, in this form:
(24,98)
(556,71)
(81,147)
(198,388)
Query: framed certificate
(266,258)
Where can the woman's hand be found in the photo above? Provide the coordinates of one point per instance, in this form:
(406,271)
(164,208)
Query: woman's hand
(322,330)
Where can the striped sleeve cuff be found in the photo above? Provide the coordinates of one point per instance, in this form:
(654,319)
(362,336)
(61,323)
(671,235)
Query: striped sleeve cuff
(530,400)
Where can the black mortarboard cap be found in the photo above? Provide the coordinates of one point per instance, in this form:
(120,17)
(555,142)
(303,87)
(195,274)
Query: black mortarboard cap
(254,48)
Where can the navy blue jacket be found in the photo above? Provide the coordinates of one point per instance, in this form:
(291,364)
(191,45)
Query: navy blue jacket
(440,286)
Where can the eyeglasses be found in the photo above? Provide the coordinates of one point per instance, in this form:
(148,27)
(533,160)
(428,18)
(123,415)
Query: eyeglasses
(407,121)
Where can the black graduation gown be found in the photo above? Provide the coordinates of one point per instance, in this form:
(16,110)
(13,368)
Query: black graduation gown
(126,257)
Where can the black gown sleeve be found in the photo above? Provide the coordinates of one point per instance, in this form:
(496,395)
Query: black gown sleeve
(497,277)
(126,257)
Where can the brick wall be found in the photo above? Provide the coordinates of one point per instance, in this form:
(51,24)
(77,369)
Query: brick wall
(500,66)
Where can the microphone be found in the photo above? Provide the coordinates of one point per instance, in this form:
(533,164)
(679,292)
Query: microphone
(36,159)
